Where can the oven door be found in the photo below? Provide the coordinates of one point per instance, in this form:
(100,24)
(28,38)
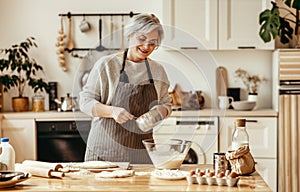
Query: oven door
(62,141)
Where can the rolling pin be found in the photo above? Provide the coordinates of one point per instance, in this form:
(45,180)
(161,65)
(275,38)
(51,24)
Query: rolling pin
(42,164)
(40,171)
(47,165)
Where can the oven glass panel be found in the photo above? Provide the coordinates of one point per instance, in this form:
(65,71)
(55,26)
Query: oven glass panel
(61,141)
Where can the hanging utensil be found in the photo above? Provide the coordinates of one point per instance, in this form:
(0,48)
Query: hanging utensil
(123,46)
(70,43)
(100,47)
(84,25)
(111,44)
(111,29)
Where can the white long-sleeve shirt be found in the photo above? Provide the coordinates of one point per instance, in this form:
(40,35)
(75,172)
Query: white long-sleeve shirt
(104,78)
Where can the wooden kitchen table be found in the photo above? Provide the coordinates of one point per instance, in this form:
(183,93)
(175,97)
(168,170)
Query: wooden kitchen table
(136,183)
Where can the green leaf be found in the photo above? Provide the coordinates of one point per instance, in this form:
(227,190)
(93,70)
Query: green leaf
(285,31)
(270,22)
(294,4)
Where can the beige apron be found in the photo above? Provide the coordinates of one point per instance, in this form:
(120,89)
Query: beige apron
(115,142)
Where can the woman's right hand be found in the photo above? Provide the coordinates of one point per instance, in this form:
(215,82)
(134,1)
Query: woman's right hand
(121,115)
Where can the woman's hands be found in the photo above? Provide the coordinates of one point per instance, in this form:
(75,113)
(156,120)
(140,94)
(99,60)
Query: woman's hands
(121,115)
(152,118)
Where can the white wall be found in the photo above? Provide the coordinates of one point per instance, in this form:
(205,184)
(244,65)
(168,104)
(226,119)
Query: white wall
(39,18)
(195,70)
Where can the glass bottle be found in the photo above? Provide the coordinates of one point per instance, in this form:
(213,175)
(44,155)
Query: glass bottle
(240,136)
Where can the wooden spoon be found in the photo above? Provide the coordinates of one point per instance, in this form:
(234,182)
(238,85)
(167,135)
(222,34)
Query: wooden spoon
(70,43)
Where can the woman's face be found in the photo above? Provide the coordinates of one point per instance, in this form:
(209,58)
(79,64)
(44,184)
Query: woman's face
(142,45)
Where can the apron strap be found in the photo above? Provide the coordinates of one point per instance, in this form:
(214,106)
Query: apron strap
(149,71)
(124,60)
(123,75)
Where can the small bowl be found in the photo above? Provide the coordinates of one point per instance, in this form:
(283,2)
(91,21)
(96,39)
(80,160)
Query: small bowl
(243,105)
(211,180)
(232,181)
(221,181)
(191,179)
(201,180)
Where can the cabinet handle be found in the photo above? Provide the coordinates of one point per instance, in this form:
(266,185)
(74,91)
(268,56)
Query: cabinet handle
(251,121)
(188,47)
(246,47)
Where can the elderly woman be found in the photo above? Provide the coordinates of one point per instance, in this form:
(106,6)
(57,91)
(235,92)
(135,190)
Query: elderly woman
(122,87)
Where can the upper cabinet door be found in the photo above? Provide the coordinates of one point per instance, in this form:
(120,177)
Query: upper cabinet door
(239,24)
(191,24)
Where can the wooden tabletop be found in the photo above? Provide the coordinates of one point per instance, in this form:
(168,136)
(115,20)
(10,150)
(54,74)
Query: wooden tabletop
(139,182)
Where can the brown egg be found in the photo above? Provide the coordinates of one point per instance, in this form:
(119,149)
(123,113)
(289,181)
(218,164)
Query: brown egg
(233,175)
(221,174)
(210,174)
(201,173)
(192,172)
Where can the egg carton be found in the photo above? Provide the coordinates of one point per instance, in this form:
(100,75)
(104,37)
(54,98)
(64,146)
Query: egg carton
(204,180)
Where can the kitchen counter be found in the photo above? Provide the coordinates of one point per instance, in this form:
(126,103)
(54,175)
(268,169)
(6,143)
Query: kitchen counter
(226,113)
(54,115)
(47,115)
(137,183)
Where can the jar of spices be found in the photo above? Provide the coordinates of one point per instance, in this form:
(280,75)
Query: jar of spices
(38,103)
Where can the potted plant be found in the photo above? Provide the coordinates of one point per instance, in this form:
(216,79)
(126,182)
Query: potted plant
(19,70)
(251,82)
(282,20)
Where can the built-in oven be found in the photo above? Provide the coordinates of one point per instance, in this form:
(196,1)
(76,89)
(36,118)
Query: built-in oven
(62,141)
(202,131)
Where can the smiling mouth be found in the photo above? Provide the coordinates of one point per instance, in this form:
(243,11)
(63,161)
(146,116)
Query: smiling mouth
(143,51)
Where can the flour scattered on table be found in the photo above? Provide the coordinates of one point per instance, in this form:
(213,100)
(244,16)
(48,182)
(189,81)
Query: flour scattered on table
(169,174)
(90,165)
(115,174)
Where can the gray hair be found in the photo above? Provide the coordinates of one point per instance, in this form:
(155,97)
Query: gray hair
(144,23)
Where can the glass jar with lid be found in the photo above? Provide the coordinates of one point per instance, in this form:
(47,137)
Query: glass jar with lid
(38,103)
(240,136)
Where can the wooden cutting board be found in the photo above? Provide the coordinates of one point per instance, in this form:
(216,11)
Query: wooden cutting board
(221,82)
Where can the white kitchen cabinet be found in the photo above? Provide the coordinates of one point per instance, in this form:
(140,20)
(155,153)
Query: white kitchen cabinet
(262,133)
(191,24)
(214,24)
(267,168)
(22,136)
(239,24)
